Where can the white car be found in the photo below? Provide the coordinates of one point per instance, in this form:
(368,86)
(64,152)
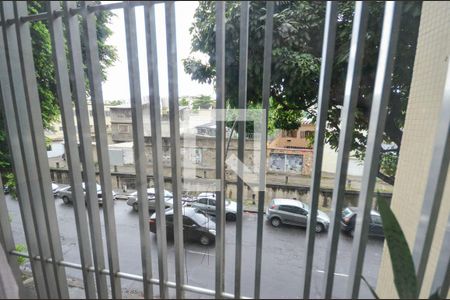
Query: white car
(55,189)
(207,203)
(133,199)
(66,194)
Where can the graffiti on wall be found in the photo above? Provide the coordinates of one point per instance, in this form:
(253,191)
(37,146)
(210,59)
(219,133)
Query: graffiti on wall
(291,163)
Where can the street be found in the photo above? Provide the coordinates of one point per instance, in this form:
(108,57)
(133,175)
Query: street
(282,266)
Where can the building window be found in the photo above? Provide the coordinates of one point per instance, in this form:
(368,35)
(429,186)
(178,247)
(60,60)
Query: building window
(309,134)
(292,133)
(306,134)
(289,133)
(124,128)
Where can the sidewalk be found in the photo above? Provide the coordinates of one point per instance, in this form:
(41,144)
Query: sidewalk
(76,289)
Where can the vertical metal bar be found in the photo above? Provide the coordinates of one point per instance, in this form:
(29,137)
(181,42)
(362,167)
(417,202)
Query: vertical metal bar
(435,187)
(37,130)
(268,36)
(139,148)
(84,133)
(345,138)
(243,62)
(19,171)
(24,130)
(101,138)
(220,147)
(324,99)
(175,155)
(6,237)
(71,144)
(441,281)
(380,100)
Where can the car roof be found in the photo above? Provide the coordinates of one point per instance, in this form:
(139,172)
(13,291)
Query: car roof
(207,195)
(281,201)
(98,186)
(152,190)
(187,211)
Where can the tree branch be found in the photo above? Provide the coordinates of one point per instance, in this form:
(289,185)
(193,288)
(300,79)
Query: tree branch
(388,179)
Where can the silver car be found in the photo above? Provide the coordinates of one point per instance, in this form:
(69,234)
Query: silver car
(65,194)
(294,212)
(207,203)
(55,189)
(133,200)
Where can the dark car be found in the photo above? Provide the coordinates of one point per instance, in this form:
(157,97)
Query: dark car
(196,225)
(348,222)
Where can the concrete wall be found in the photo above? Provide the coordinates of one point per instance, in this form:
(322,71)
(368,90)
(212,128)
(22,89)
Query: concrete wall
(291,191)
(432,58)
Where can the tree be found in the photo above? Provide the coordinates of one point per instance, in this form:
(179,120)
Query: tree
(297,40)
(184,101)
(45,75)
(202,102)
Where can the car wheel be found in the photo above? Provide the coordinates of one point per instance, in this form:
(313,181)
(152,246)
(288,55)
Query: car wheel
(276,222)
(135,206)
(230,217)
(204,240)
(319,228)
(66,200)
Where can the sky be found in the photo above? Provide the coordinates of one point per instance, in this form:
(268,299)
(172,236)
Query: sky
(116,87)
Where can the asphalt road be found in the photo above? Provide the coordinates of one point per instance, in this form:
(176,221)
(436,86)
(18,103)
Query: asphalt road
(282,266)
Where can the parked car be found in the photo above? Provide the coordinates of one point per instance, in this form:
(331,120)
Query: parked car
(294,212)
(6,189)
(348,222)
(207,203)
(55,189)
(65,194)
(133,199)
(196,225)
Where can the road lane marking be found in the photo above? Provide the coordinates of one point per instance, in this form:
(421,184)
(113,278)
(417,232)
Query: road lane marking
(337,274)
(199,253)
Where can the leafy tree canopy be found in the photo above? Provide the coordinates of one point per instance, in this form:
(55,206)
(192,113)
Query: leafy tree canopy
(296,55)
(45,74)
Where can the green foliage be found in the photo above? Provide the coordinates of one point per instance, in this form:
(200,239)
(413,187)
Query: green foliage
(203,102)
(45,75)
(405,278)
(401,259)
(184,101)
(114,102)
(21,248)
(389,163)
(297,41)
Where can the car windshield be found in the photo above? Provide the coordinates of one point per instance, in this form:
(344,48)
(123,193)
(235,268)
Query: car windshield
(200,218)
(306,206)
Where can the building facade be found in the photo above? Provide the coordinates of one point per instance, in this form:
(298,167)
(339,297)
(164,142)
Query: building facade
(291,151)
(419,136)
